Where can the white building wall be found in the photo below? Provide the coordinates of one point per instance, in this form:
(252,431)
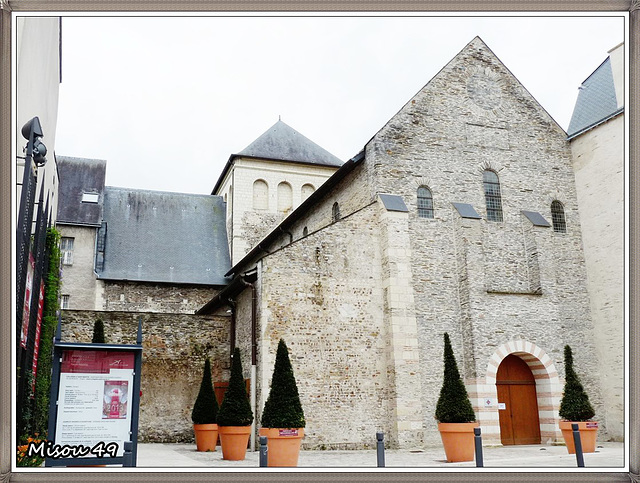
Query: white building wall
(598,160)
(247,226)
(616,57)
(78,279)
(38,81)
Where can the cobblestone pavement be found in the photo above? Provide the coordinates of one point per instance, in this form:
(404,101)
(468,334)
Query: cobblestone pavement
(607,455)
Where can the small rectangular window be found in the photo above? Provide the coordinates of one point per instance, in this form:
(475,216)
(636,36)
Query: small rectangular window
(66,248)
(90,197)
(64,302)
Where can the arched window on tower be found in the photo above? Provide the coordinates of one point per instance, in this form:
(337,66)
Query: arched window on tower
(557,217)
(492,195)
(425,202)
(285,196)
(335,212)
(260,195)
(307,190)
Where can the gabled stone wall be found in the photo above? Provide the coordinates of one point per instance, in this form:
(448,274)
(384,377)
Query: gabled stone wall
(487,283)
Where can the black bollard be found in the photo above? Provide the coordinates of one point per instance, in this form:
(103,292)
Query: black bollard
(380,439)
(127,456)
(478,443)
(263,452)
(578,444)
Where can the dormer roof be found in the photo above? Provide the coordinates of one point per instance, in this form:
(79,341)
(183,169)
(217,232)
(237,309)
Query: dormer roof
(81,190)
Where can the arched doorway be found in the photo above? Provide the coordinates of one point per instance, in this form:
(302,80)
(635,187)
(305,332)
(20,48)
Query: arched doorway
(517,402)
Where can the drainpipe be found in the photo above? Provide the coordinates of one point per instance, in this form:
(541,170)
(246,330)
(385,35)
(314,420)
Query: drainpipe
(254,347)
(232,329)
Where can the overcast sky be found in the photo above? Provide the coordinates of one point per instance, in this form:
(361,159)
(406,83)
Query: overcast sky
(166,100)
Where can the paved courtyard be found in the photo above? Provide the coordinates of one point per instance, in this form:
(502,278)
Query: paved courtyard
(607,455)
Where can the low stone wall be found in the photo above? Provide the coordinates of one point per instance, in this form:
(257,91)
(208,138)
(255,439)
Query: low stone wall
(174,349)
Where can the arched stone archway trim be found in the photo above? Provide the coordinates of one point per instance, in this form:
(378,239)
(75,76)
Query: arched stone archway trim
(483,392)
(536,358)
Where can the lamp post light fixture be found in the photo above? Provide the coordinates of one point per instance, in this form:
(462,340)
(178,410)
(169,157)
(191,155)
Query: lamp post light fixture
(35,152)
(32,132)
(29,247)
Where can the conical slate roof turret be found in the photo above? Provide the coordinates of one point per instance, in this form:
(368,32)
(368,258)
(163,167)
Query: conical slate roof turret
(282,142)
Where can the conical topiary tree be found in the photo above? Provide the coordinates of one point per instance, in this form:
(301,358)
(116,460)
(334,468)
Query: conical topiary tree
(98,332)
(575,405)
(235,409)
(453,404)
(205,409)
(283,408)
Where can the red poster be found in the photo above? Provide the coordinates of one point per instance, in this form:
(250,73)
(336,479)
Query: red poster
(36,342)
(95,362)
(27,301)
(116,395)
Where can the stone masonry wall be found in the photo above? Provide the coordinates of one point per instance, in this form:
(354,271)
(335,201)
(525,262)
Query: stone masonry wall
(322,295)
(498,288)
(155,297)
(174,350)
(474,115)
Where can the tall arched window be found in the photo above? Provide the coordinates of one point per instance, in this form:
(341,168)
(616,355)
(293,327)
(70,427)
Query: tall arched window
(260,195)
(285,196)
(307,190)
(557,217)
(335,212)
(492,195)
(425,202)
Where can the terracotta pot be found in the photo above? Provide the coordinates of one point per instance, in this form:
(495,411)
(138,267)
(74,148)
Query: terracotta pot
(458,440)
(206,436)
(283,445)
(588,431)
(233,440)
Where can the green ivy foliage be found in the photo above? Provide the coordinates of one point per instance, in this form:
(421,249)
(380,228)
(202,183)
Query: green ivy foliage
(453,404)
(205,409)
(235,409)
(283,408)
(575,405)
(47,332)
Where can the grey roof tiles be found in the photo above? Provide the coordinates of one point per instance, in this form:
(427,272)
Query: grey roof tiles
(596,100)
(78,176)
(282,142)
(156,236)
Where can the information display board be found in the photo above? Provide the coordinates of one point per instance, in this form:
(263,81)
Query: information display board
(93,398)
(95,404)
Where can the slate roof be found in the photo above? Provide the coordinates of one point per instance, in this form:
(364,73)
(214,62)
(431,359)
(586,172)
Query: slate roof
(596,101)
(283,143)
(157,236)
(78,176)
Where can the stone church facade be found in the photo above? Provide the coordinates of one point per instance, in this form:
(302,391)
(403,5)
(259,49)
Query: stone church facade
(460,215)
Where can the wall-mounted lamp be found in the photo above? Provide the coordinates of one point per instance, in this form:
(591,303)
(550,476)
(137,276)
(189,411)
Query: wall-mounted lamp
(32,132)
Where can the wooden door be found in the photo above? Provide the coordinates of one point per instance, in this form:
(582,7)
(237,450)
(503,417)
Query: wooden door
(519,421)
